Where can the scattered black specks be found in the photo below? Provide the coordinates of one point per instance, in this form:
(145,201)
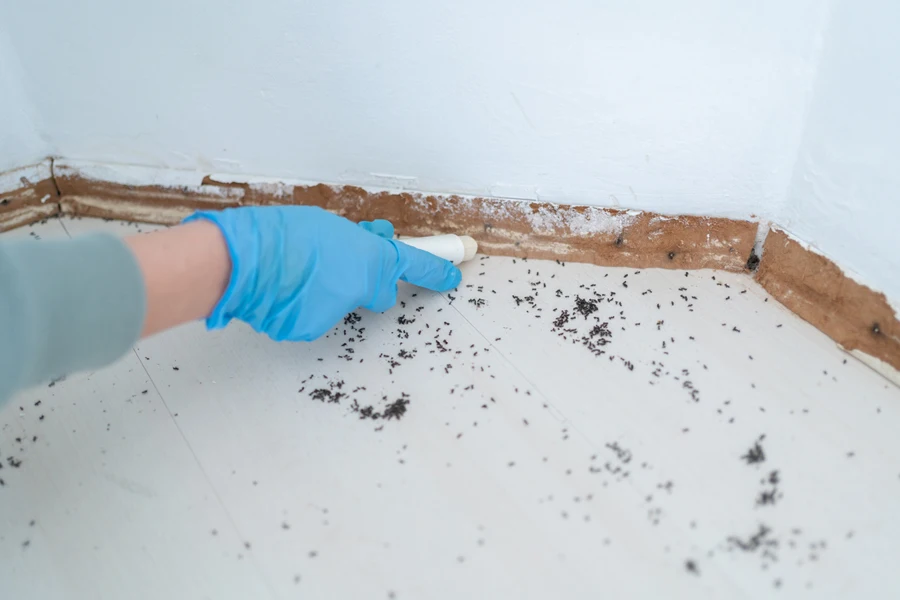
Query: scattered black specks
(769,496)
(691,567)
(762,539)
(176,369)
(755,454)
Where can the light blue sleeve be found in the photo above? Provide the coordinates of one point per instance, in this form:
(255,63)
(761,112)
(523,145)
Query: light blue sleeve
(66,306)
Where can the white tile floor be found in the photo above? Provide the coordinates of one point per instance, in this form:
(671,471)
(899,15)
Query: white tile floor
(571,431)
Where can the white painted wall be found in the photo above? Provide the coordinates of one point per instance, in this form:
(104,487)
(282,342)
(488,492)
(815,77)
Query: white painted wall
(20,140)
(844,197)
(698,106)
(689,107)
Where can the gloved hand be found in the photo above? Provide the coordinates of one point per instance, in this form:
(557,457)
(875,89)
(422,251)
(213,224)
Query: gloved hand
(298,270)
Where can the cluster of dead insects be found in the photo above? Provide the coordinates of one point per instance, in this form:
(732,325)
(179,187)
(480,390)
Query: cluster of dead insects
(761,541)
(771,492)
(595,338)
(353,335)
(755,454)
(330,394)
(392,410)
(619,468)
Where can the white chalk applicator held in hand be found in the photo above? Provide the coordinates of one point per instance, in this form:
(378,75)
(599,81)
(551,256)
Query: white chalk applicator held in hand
(455,248)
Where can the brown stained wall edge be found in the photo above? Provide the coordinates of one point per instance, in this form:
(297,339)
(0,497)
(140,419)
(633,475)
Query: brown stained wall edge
(502,227)
(809,284)
(30,203)
(818,291)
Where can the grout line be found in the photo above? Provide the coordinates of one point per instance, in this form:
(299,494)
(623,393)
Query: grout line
(679,529)
(555,412)
(187,443)
(59,207)
(53,176)
(63,224)
(191,449)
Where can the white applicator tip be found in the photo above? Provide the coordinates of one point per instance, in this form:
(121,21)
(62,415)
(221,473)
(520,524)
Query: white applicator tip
(471,247)
(455,248)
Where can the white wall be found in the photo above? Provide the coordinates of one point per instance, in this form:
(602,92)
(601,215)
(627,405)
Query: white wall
(688,107)
(20,140)
(844,198)
(698,106)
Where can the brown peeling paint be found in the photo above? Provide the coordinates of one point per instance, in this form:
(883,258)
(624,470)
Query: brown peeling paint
(501,227)
(813,287)
(23,205)
(807,283)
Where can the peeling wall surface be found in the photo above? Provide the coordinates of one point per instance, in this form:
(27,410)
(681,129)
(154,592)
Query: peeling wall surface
(844,198)
(692,107)
(20,142)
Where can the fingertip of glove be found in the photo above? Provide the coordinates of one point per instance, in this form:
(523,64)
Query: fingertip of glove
(452,277)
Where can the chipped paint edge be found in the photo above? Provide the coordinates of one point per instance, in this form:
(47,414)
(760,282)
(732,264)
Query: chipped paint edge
(848,273)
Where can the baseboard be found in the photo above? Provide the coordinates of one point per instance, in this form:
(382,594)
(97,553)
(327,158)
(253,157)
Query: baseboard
(502,227)
(808,283)
(817,290)
(27,194)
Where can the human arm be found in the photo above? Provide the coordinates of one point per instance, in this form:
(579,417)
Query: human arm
(290,272)
(65,306)
(185,270)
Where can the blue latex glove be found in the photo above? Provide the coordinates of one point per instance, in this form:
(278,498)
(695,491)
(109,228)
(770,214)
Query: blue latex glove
(298,270)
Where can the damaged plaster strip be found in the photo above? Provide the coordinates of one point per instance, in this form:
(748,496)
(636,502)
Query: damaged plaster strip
(811,285)
(505,227)
(27,194)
